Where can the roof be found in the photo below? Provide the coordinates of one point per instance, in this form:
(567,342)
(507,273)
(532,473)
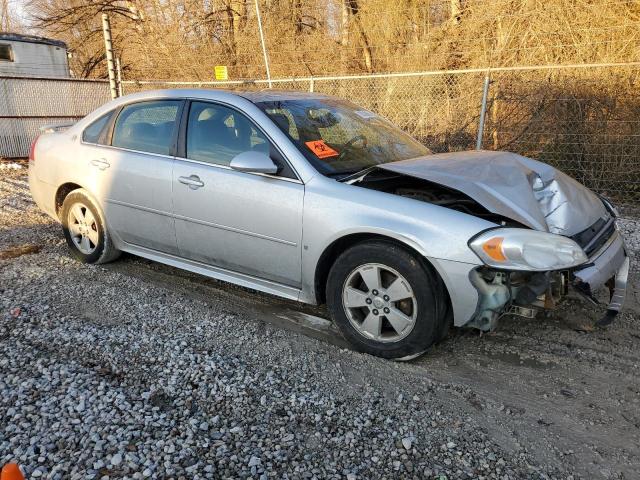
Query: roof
(218,94)
(18,37)
(277,95)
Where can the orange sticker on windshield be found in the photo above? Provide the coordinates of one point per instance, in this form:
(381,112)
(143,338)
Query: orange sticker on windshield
(321,149)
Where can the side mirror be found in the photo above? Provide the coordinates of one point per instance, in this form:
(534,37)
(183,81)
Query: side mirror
(253,162)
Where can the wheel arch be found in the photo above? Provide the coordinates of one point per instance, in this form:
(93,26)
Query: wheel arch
(338,246)
(66,188)
(61,193)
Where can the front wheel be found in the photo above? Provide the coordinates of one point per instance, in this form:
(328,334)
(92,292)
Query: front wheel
(385,301)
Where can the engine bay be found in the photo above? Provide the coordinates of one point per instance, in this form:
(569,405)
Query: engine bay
(429,192)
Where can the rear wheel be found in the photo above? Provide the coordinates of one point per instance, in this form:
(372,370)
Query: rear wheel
(84,229)
(385,300)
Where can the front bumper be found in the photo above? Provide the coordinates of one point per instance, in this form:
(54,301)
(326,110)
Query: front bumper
(525,293)
(608,266)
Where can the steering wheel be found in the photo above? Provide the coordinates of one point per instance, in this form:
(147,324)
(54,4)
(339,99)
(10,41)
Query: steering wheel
(349,145)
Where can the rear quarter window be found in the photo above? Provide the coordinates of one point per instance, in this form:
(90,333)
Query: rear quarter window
(96,132)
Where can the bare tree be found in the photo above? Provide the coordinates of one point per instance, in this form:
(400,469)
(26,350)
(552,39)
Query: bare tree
(186,38)
(353,13)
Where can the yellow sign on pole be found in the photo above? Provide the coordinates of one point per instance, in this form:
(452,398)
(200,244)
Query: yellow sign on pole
(221,72)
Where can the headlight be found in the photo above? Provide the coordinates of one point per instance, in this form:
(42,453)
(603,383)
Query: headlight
(521,249)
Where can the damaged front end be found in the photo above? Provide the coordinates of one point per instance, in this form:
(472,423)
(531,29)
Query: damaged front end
(528,287)
(525,293)
(608,266)
(552,234)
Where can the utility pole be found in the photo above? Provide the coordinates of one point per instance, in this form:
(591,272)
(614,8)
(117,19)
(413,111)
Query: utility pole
(106,30)
(264,48)
(119,72)
(5,18)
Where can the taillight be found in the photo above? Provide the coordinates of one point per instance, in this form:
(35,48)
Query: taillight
(32,150)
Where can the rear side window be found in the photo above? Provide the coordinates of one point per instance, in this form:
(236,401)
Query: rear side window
(96,132)
(147,126)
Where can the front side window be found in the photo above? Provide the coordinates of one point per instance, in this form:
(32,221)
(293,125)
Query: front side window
(96,131)
(216,134)
(6,53)
(147,126)
(338,137)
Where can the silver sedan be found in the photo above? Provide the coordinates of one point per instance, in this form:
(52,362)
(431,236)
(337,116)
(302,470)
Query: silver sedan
(313,198)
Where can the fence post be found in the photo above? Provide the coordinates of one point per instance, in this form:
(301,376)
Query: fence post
(264,47)
(106,30)
(311,85)
(483,110)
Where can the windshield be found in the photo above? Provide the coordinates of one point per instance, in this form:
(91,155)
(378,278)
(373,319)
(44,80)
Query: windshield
(338,137)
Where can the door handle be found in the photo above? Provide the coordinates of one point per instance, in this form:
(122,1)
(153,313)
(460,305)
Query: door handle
(192,181)
(101,163)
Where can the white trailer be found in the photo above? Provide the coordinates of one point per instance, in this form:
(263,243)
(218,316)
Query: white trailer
(31,56)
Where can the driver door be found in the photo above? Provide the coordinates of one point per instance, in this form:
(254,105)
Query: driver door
(243,222)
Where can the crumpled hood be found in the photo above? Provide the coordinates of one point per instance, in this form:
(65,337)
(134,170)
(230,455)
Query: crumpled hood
(527,191)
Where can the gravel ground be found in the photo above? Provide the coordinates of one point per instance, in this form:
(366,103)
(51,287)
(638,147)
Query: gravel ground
(137,370)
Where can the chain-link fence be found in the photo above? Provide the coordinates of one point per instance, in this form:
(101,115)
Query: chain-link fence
(440,109)
(27,104)
(584,120)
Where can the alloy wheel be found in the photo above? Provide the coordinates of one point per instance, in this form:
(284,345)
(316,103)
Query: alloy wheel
(83,228)
(379,303)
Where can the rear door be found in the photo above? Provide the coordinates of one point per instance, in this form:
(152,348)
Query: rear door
(244,222)
(133,175)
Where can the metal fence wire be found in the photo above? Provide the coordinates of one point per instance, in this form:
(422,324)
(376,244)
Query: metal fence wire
(585,122)
(27,104)
(582,119)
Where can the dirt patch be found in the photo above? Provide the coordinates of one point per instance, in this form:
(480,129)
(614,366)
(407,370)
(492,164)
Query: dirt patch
(18,251)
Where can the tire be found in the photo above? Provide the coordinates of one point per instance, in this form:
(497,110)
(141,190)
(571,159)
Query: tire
(84,229)
(359,310)
(446,313)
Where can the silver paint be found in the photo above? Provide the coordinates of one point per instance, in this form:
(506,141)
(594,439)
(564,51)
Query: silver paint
(253,162)
(530,192)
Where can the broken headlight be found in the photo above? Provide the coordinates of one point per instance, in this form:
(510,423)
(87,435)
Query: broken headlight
(521,249)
